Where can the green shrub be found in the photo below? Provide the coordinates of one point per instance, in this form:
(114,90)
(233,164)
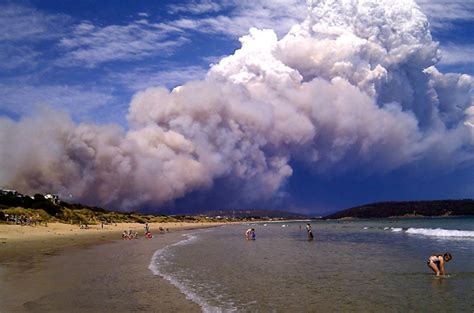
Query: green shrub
(48,206)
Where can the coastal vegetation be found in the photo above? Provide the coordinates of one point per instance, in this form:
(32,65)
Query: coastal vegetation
(49,208)
(18,208)
(408,209)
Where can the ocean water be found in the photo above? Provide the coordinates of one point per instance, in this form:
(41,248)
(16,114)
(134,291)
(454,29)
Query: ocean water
(350,266)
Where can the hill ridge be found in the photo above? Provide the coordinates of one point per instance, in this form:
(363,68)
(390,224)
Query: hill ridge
(385,209)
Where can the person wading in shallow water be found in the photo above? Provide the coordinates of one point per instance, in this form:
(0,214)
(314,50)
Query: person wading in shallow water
(250,234)
(437,262)
(309,230)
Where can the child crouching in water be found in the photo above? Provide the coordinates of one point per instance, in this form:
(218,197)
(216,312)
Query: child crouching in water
(437,262)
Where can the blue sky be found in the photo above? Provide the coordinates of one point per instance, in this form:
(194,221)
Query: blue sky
(94,55)
(88,59)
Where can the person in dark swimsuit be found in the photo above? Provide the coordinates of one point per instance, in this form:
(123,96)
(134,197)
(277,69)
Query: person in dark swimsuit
(437,262)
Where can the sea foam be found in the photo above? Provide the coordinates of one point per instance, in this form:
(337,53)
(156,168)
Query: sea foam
(160,257)
(396,229)
(439,232)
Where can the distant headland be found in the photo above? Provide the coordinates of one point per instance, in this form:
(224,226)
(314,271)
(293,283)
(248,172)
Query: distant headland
(408,209)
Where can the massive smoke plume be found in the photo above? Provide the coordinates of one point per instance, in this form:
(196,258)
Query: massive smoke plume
(354,85)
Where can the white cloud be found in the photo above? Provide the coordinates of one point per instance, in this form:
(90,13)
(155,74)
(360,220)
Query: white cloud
(214,59)
(22,99)
(90,44)
(442,13)
(25,23)
(453,54)
(23,29)
(18,57)
(446,16)
(144,78)
(196,7)
(278,15)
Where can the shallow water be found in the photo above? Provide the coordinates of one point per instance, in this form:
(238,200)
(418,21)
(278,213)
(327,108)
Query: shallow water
(350,266)
(108,277)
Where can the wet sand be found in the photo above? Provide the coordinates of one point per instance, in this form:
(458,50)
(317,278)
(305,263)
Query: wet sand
(88,273)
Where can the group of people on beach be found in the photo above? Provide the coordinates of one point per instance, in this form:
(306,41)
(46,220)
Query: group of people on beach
(134,235)
(435,262)
(23,220)
(129,234)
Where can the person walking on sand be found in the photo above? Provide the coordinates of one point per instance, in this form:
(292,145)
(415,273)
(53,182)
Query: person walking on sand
(309,231)
(437,262)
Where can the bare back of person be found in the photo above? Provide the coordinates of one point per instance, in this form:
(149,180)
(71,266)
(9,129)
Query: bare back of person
(437,262)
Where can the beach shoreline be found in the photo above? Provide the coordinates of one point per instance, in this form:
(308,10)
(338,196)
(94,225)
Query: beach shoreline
(18,241)
(57,268)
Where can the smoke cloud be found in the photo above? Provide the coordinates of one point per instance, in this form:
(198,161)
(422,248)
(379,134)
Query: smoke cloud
(354,86)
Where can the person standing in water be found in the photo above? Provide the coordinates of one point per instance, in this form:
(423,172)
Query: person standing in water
(437,262)
(250,234)
(309,230)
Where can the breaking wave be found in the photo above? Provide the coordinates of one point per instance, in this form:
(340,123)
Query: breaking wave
(439,232)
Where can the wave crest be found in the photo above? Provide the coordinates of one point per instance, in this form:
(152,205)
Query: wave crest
(439,232)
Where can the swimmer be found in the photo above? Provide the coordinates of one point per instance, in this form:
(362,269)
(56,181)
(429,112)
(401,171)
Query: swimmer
(309,230)
(436,263)
(247,233)
(250,234)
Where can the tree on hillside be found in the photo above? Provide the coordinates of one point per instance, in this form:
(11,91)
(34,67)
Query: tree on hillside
(39,197)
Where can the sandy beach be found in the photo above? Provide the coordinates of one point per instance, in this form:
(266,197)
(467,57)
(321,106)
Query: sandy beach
(62,268)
